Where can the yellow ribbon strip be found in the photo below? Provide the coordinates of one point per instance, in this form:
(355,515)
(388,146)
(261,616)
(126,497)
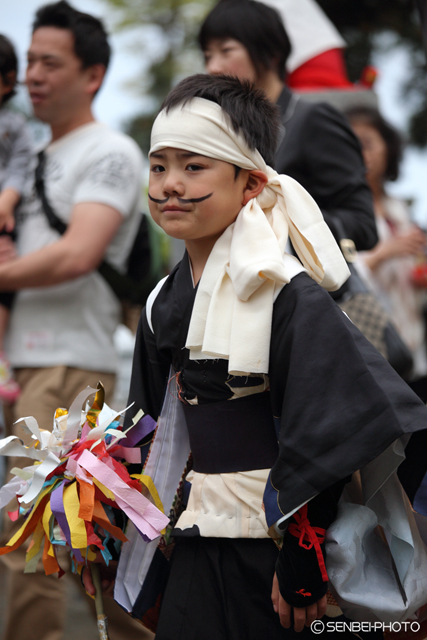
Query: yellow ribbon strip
(76,524)
(148,482)
(107,493)
(19,533)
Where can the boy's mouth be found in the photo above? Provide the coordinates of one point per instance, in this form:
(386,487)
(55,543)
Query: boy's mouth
(171,207)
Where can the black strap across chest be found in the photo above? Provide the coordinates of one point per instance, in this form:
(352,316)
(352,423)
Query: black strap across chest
(119,283)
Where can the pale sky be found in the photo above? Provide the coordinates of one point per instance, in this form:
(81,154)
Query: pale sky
(115,104)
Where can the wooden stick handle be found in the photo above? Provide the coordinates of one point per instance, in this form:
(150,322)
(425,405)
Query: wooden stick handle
(99,602)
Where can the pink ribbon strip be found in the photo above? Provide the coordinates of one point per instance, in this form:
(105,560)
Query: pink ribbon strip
(145,516)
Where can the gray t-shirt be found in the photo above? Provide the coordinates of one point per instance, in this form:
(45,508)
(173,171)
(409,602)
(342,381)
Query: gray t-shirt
(73,323)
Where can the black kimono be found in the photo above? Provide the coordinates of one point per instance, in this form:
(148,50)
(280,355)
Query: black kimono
(331,404)
(321,152)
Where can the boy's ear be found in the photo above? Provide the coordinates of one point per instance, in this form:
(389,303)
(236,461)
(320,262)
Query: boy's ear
(255,183)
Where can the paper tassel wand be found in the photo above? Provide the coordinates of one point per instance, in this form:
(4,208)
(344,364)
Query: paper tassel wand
(78,484)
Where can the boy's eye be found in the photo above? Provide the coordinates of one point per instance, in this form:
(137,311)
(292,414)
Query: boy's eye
(194,167)
(157,168)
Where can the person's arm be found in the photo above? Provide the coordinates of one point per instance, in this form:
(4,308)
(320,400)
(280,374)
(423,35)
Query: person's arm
(105,191)
(336,176)
(76,253)
(149,377)
(411,243)
(339,405)
(301,581)
(9,198)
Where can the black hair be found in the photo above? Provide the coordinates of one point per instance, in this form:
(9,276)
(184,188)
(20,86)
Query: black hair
(8,66)
(248,109)
(258,27)
(90,38)
(392,138)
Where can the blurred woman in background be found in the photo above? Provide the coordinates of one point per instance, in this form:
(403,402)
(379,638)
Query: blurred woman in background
(388,268)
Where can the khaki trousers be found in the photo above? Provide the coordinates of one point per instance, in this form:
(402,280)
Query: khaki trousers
(37,603)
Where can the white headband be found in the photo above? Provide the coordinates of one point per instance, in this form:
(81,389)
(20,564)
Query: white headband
(246,267)
(201,126)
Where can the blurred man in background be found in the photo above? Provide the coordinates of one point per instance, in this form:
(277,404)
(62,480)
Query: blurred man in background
(65,314)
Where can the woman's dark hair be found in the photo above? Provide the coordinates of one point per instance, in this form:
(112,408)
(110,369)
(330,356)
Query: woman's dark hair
(392,138)
(258,27)
(90,38)
(8,66)
(248,109)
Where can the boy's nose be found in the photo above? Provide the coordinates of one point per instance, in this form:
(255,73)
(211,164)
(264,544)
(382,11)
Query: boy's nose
(172,185)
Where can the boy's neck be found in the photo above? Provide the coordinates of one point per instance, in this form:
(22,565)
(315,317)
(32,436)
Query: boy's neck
(198,253)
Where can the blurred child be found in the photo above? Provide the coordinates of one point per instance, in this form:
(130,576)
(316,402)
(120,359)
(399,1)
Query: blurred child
(15,153)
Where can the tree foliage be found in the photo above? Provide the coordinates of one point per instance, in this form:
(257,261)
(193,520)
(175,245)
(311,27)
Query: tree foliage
(168,40)
(171,26)
(361,22)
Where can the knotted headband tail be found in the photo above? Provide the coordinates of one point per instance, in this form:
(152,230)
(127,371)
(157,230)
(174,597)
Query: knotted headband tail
(248,265)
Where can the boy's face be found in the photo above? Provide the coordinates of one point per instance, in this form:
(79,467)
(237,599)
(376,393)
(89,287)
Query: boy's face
(231,58)
(192,197)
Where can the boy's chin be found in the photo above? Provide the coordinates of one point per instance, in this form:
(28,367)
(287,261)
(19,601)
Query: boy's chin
(173,229)
(173,232)
(177,236)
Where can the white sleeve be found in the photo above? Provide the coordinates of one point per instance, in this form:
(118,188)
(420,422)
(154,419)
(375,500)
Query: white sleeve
(111,175)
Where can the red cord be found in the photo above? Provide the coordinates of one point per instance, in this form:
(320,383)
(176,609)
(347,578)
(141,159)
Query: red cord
(178,386)
(313,537)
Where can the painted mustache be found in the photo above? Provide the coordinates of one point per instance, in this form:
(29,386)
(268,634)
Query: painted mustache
(182,200)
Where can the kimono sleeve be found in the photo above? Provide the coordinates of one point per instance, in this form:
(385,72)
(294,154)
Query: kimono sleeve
(149,374)
(338,401)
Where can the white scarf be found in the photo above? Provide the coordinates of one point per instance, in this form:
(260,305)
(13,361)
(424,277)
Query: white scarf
(248,265)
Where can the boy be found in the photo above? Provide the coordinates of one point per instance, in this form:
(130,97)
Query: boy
(242,340)
(15,154)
